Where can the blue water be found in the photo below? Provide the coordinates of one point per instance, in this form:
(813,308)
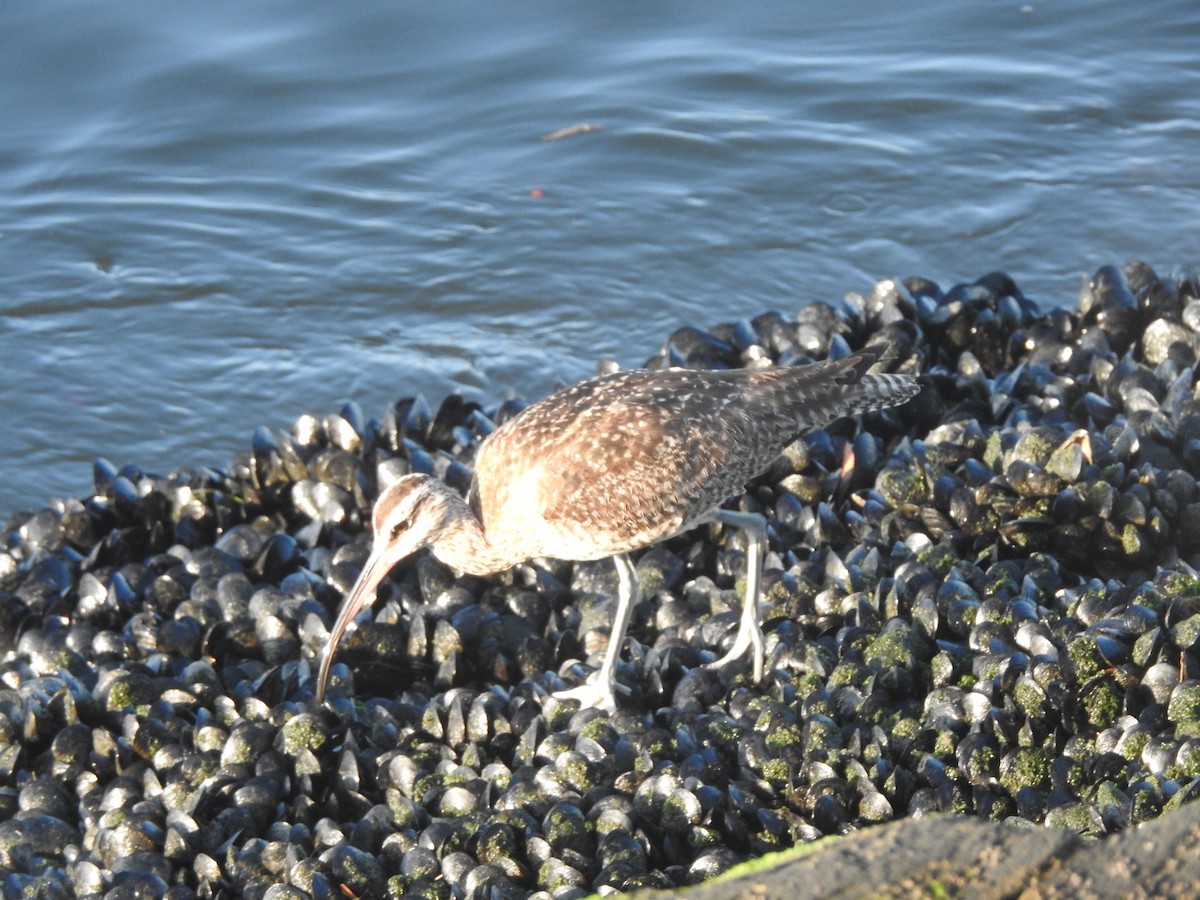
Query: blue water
(222,215)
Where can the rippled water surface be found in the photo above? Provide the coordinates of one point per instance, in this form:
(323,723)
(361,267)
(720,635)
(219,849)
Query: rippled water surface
(211,220)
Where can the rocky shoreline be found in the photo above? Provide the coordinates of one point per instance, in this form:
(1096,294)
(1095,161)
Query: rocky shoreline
(985,603)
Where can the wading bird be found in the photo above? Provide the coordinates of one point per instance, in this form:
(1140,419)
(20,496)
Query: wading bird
(613,464)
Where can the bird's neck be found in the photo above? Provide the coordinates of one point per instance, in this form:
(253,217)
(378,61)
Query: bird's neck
(463,544)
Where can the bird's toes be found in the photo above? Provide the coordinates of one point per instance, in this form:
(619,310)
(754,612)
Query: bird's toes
(592,694)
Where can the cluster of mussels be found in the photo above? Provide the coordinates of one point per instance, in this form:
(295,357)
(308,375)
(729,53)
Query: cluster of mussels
(985,602)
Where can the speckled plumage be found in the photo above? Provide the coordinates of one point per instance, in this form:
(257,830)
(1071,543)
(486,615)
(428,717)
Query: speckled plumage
(620,461)
(612,464)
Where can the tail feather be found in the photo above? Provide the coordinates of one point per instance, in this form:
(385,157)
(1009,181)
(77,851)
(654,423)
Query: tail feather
(814,395)
(879,390)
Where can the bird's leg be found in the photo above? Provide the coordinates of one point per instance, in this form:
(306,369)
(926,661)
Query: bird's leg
(750,633)
(600,689)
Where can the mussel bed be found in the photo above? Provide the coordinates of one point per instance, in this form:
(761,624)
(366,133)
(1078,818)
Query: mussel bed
(985,602)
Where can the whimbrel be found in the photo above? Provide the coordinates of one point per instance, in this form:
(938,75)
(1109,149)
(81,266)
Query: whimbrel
(612,464)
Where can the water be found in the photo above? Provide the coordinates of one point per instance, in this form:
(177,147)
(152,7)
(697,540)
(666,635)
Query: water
(218,217)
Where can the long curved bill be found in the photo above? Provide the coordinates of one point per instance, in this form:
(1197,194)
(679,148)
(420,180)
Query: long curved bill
(361,595)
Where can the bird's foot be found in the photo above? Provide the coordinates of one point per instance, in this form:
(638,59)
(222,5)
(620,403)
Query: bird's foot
(597,692)
(750,633)
(747,637)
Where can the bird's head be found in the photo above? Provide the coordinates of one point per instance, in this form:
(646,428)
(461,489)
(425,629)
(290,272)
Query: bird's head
(409,515)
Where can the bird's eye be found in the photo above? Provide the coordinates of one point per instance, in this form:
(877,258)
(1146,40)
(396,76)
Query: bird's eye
(399,528)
